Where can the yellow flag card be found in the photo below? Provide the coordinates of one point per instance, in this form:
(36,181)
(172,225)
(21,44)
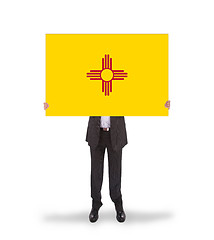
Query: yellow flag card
(106,74)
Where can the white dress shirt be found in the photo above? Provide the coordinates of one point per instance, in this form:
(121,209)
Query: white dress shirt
(105,122)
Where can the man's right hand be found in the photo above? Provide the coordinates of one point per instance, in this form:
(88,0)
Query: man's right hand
(46,105)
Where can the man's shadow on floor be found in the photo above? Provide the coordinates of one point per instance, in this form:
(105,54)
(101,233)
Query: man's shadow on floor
(110,216)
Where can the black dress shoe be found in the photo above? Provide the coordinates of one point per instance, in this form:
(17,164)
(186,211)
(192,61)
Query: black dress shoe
(121,216)
(93,216)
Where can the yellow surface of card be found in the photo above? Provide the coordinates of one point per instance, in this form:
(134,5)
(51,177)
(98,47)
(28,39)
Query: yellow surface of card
(106,74)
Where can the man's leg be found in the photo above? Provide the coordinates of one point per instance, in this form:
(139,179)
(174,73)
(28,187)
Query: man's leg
(97,163)
(114,164)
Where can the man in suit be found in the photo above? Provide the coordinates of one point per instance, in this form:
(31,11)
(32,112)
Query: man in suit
(106,132)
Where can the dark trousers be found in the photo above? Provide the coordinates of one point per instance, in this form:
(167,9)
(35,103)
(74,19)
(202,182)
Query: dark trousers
(114,169)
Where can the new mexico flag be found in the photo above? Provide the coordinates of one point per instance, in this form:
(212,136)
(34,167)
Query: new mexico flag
(106,74)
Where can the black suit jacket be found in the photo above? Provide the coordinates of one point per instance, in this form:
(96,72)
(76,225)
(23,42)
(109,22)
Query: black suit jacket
(118,132)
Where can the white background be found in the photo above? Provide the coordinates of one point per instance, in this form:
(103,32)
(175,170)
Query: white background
(167,177)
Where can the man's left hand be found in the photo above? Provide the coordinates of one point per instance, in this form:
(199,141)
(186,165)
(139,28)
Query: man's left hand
(167,104)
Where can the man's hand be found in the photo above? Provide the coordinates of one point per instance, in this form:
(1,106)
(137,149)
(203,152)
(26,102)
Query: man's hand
(46,105)
(167,104)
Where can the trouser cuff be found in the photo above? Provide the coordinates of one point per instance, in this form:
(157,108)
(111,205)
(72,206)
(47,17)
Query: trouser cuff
(96,204)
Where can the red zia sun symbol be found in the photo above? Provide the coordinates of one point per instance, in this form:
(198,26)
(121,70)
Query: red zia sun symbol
(106,75)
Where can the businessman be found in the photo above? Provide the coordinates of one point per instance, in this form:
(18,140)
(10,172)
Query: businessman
(106,132)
